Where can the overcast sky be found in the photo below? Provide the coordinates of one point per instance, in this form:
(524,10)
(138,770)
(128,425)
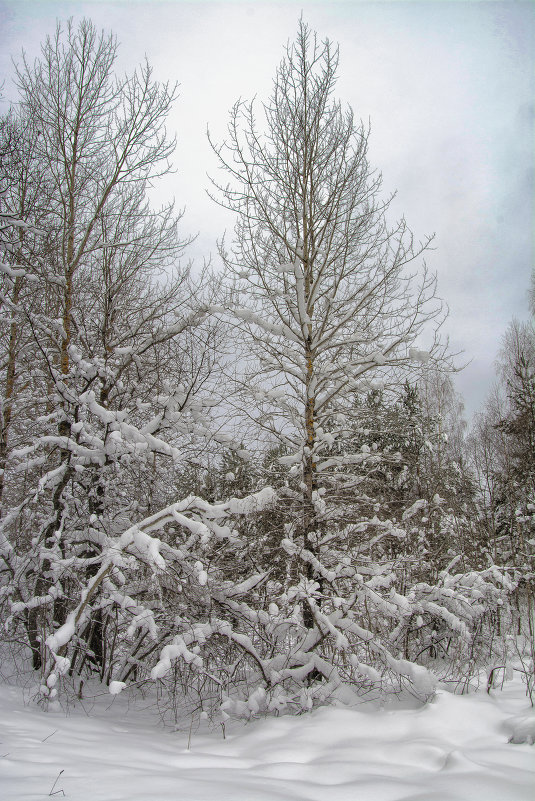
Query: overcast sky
(449,88)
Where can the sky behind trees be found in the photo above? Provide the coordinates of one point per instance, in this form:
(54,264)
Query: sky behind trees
(448,88)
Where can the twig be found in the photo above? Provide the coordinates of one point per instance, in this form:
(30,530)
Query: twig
(189,735)
(50,735)
(52,792)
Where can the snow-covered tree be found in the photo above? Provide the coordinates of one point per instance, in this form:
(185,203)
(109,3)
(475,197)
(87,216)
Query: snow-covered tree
(329,294)
(118,354)
(328,568)
(504,456)
(21,194)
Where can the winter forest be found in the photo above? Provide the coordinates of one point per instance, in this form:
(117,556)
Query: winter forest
(244,491)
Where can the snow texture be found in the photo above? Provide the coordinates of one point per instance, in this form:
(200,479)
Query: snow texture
(455,748)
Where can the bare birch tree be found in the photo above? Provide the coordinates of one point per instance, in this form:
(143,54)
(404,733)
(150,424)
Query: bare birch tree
(109,304)
(325,285)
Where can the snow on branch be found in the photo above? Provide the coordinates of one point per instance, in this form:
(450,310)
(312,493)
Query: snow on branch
(192,513)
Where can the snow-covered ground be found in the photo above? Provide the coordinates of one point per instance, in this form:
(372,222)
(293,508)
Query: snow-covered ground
(452,749)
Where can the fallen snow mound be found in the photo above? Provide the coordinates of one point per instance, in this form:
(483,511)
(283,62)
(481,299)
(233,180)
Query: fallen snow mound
(454,748)
(522,729)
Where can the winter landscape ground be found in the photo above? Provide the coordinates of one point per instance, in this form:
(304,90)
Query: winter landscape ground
(454,748)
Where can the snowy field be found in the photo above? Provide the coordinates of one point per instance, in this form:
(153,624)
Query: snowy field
(452,749)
